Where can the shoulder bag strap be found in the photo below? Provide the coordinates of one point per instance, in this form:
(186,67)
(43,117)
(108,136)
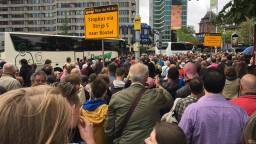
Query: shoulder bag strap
(124,122)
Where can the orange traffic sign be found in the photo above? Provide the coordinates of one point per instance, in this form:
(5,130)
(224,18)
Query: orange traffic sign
(212,39)
(101,22)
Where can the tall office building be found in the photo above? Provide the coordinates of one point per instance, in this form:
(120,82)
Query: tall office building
(167,16)
(59,16)
(159,18)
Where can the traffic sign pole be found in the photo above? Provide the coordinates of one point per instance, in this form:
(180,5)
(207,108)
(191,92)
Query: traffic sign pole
(254,48)
(137,33)
(102,46)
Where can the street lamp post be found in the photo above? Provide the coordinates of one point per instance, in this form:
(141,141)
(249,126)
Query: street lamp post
(137,33)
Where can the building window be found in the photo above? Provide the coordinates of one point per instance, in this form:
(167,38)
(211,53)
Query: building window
(3,22)
(124,12)
(17,29)
(3,8)
(18,22)
(3,15)
(124,4)
(16,1)
(17,16)
(124,19)
(17,8)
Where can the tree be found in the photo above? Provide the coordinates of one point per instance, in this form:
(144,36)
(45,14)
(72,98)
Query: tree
(236,12)
(186,34)
(64,27)
(245,32)
(226,34)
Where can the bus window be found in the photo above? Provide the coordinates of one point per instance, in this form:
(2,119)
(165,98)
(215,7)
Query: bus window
(1,42)
(25,42)
(21,43)
(189,47)
(178,47)
(164,46)
(64,43)
(112,45)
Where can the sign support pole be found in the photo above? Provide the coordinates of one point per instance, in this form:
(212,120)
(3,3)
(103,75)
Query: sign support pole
(137,33)
(254,48)
(102,46)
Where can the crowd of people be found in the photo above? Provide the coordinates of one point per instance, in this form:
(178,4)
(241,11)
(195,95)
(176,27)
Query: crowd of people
(192,98)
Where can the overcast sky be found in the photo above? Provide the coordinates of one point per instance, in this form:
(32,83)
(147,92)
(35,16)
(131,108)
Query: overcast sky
(196,10)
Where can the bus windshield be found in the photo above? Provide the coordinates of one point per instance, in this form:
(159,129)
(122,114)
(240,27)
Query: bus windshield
(182,46)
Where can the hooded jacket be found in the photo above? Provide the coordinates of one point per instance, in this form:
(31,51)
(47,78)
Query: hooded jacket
(95,111)
(116,86)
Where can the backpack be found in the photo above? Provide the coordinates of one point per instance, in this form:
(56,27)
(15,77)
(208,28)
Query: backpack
(169,117)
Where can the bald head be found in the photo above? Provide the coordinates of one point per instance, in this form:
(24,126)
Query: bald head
(138,73)
(9,69)
(248,83)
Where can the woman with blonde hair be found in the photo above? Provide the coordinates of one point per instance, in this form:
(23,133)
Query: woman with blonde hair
(34,116)
(38,115)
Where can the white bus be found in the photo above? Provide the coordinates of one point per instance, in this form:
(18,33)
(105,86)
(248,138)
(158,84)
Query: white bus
(36,48)
(170,48)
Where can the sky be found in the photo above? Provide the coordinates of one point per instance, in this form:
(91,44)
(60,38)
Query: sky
(196,10)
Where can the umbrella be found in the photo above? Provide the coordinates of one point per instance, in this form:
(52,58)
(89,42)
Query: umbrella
(248,51)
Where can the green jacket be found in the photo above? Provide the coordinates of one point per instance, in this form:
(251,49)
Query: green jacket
(144,117)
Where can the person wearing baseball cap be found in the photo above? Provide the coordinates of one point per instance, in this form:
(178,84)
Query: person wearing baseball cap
(190,72)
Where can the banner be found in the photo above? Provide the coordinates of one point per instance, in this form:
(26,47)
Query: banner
(105,56)
(176,17)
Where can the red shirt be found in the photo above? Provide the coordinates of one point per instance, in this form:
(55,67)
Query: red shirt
(247,102)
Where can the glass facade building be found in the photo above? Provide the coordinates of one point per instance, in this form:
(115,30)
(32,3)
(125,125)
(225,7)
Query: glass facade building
(160,17)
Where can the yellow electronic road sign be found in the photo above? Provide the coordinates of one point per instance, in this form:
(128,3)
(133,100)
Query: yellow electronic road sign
(212,39)
(137,23)
(101,22)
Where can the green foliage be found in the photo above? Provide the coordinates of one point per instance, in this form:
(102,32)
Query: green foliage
(226,34)
(185,34)
(245,32)
(236,12)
